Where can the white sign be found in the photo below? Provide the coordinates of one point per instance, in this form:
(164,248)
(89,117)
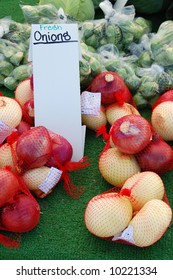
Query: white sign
(55,52)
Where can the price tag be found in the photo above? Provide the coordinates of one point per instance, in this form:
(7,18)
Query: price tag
(126,235)
(90,103)
(52,179)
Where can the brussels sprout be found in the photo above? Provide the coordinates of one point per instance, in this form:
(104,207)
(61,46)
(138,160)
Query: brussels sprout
(140,101)
(165,82)
(22,72)
(16,58)
(10,83)
(149,89)
(145,59)
(2,79)
(85,68)
(6,68)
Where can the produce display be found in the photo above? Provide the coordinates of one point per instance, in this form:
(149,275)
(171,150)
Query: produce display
(132,68)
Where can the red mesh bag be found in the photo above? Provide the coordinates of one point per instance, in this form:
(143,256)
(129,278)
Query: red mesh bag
(112,88)
(32,148)
(136,215)
(19,211)
(131,133)
(157,156)
(43,158)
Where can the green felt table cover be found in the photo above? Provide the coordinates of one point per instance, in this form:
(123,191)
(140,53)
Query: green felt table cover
(61,233)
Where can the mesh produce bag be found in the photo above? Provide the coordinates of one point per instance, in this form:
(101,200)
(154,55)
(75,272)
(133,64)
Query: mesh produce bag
(43,158)
(112,88)
(19,211)
(139,214)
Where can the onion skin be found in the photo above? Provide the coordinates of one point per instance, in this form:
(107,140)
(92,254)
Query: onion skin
(131,133)
(157,156)
(22,215)
(62,150)
(33,148)
(9,186)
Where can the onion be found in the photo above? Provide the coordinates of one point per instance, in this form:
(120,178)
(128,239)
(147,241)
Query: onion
(36,177)
(9,186)
(22,215)
(142,187)
(24,91)
(28,111)
(10,111)
(150,223)
(162,121)
(33,148)
(131,133)
(94,122)
(115,111)
(6,158)
(112,88)
(107,214)
(157,156)
(62,150)
(116,167)
(22,127)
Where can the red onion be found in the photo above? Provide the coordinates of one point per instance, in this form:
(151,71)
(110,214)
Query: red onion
(33,148)
(62,150)
(9,186)
(28,111)
(22,127)
(112,88)
(22,215)
(157,156)
(131,133)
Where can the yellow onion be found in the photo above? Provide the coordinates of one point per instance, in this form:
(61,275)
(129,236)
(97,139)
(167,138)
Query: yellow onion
(149,224)
(10,111)
(107,214)
(24,91)
(94,122)
(115,111)
(142,187)
(162,120)
(116,167)
(41,176)
(6,158)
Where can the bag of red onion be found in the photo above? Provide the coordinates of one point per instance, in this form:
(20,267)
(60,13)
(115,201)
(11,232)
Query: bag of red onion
(19,211)
(42,158)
